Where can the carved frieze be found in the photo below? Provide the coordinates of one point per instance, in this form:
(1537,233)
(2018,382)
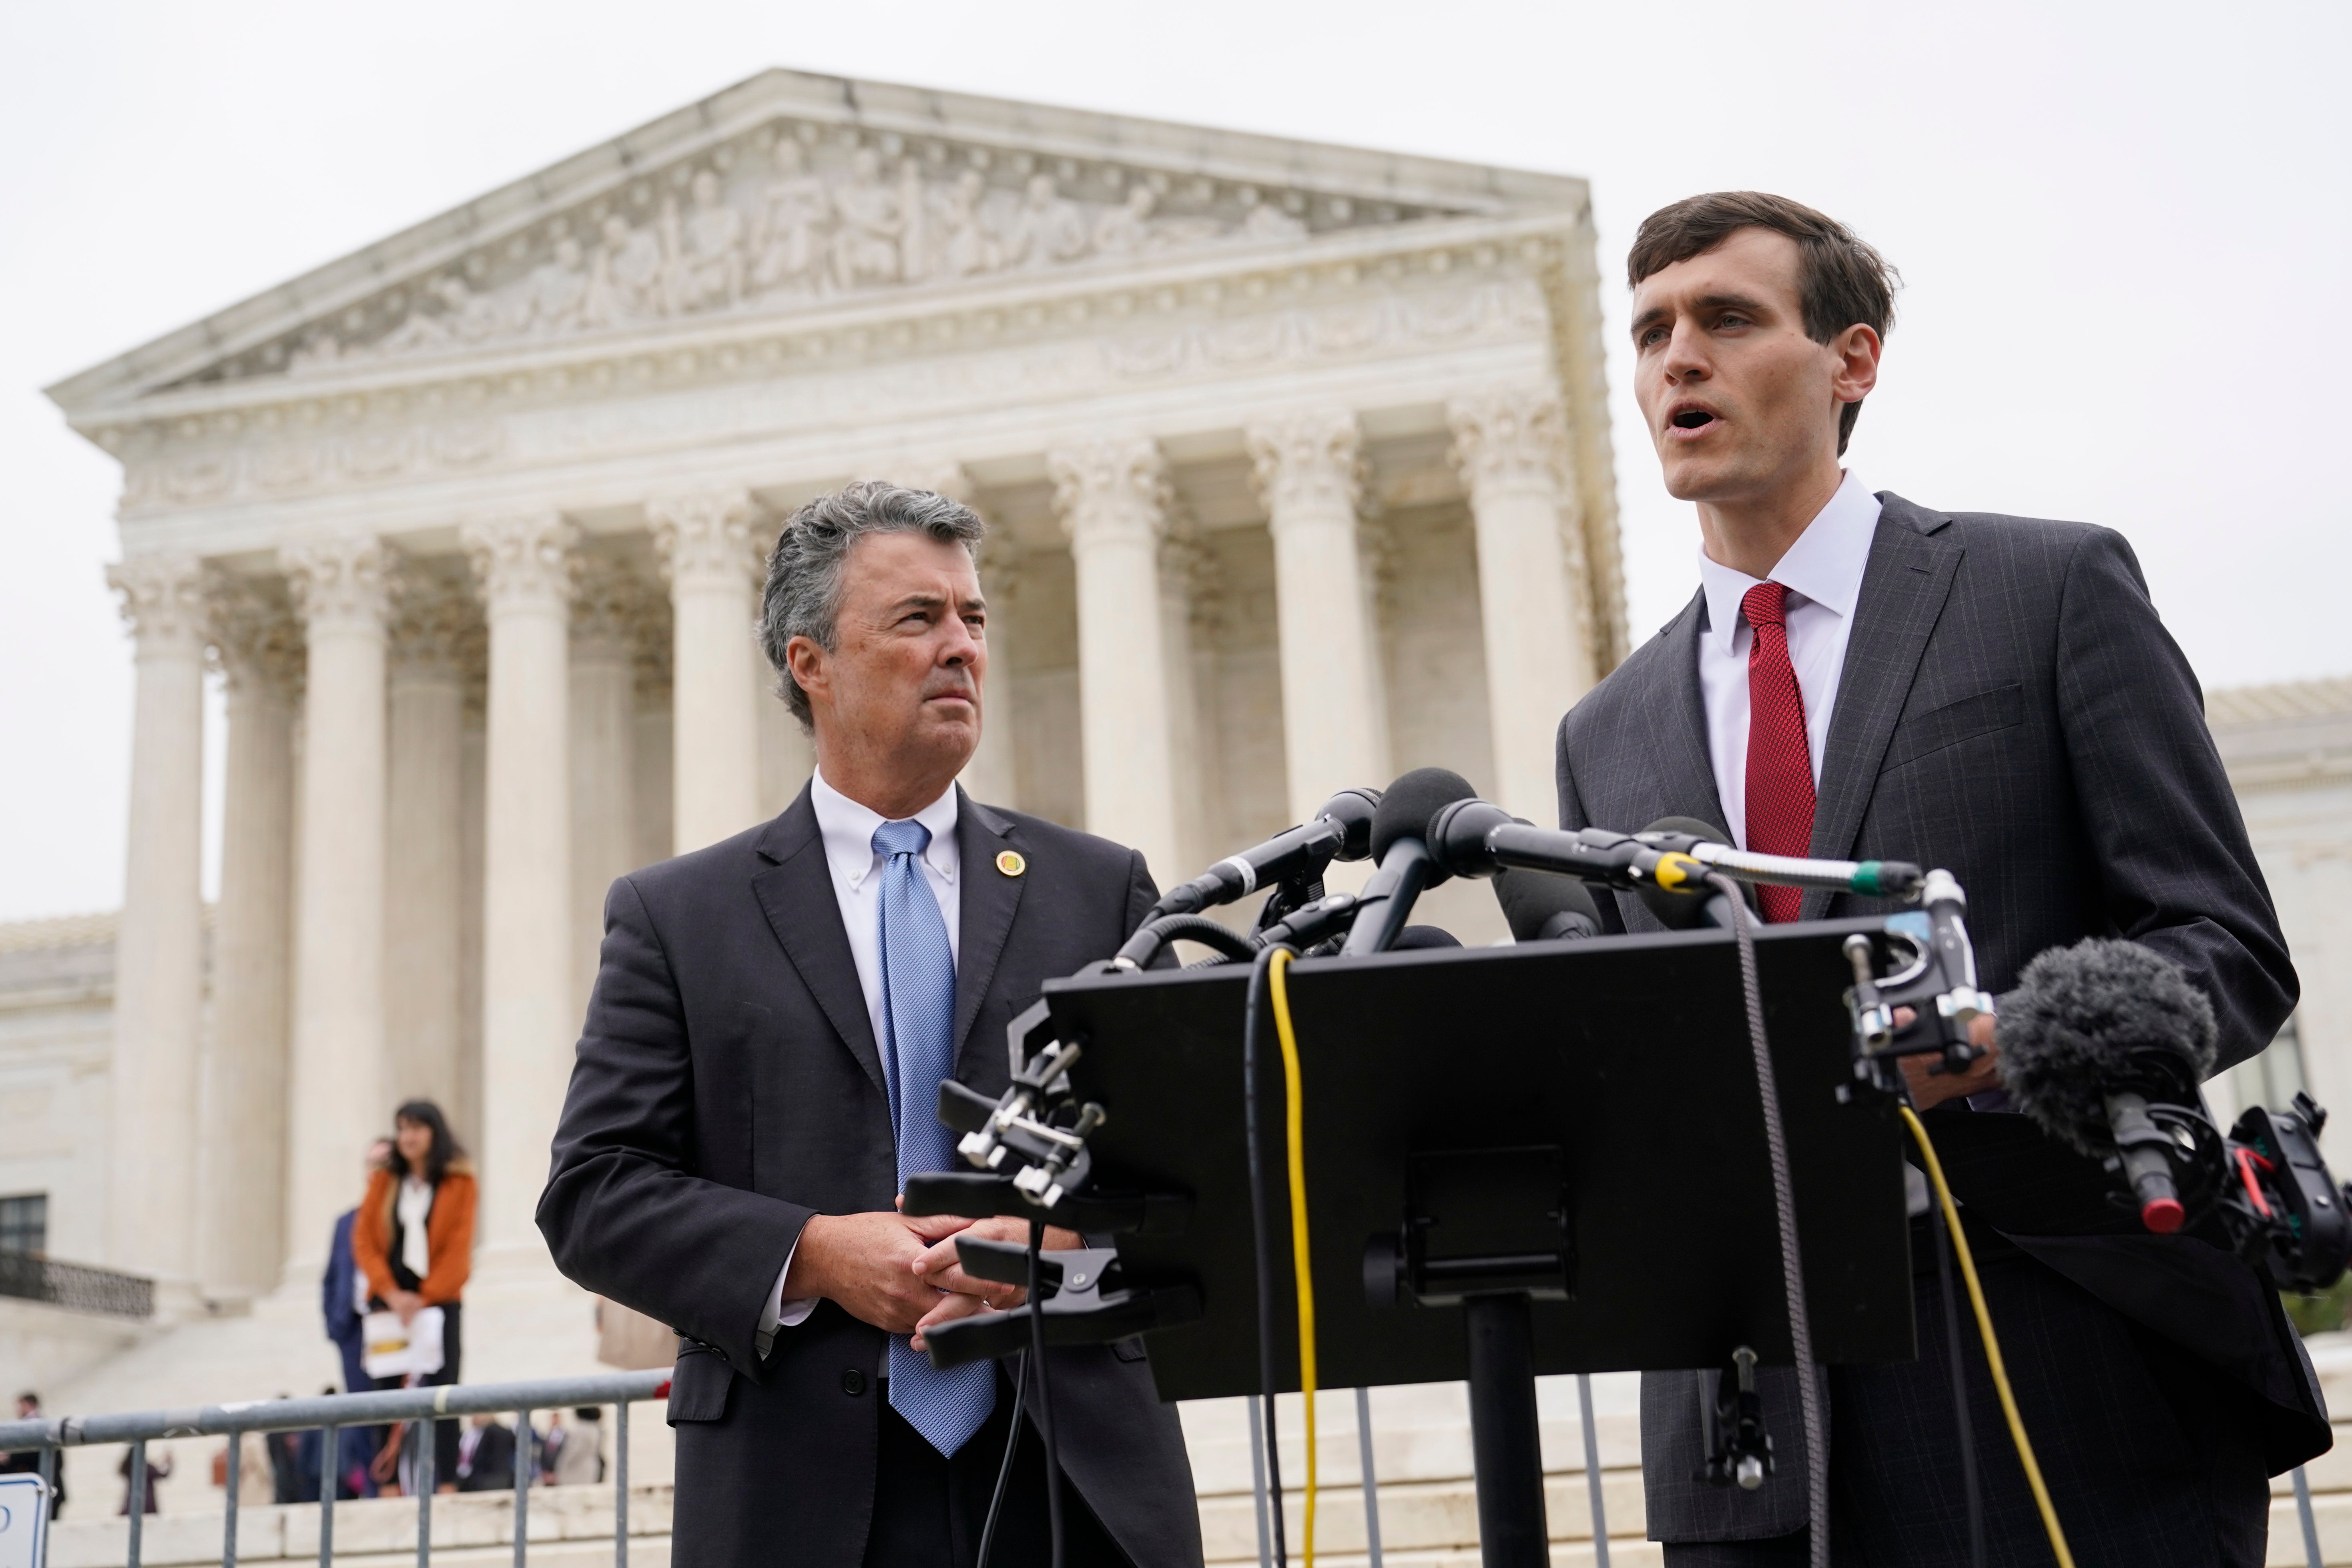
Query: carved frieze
(790,217)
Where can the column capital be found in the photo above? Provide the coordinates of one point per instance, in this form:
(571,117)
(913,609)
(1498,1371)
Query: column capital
(341,582)
(162,602)
(436,626)
(521,560)
(1512,439)
(610,604)
(706,533)
(1309,460)
(256,637)
(1110,490)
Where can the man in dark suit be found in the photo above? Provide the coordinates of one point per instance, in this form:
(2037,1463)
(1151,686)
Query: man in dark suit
(1861,676)
(760,1073)
(486,1456)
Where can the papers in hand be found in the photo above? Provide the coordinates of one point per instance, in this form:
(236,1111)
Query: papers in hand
(396,1349)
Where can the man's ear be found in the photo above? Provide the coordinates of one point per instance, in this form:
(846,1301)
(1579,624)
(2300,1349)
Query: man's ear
(811,667)
(1857,350)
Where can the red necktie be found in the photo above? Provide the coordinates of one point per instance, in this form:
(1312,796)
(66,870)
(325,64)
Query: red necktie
(1780,762)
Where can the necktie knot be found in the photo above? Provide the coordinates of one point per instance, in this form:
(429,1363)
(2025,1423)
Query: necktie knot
(1766,605)
(907,838)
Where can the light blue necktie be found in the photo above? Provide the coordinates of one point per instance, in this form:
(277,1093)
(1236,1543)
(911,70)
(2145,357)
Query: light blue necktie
(919,1028)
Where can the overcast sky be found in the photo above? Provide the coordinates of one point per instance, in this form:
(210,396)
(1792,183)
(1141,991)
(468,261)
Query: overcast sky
(2123,230)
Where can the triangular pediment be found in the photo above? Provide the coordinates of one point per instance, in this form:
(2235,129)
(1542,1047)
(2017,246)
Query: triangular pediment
(792,192)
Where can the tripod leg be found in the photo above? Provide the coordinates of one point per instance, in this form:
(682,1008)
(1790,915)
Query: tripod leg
(1505,1445)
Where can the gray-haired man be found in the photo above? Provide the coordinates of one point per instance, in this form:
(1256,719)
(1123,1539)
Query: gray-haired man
(762,1052)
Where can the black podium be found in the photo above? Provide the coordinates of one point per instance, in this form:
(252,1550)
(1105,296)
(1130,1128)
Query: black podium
(1564,1139)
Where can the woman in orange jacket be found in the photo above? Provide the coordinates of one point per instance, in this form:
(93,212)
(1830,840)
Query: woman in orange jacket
(414,1241)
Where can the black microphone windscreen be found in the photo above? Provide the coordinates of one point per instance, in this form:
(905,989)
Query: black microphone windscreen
(2096,1018)
(1424,936)
(1682,910)
(1407,805)
(1532,899)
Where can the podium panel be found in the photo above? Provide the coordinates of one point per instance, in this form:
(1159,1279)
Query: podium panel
(1622,1064)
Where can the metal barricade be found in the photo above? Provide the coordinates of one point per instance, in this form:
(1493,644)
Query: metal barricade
(327,1415)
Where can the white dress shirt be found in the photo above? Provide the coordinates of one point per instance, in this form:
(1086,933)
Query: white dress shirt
(847,830)
(1823,572)
(415,1206)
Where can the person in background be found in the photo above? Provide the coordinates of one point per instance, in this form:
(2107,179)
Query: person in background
(574,1453)
(351,1470)
(342,1289)
(485,1459)
(156,1474)
(414,1241)
(255,1485)
(29,1461)
(342,1292)
(285,1465)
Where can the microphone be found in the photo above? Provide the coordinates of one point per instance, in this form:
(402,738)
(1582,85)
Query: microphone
(1478,838)
(1546,908)
(1341,830)
(2091,1036)
(1406,868)
(1681,911)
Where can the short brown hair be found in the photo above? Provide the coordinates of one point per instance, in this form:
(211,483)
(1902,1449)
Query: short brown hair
(1842,280)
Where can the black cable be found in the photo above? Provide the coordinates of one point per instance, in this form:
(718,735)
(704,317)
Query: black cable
(1264,1239)
(1045,1392)
(1004,1469)
(1784,1207)
(1960,1390)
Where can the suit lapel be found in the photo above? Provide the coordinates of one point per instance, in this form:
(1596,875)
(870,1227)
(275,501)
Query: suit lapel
(989,898)
(1904,586)
(1681,767)
(796,894)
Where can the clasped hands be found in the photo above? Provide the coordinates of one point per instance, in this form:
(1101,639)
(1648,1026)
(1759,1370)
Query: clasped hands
(900,1273)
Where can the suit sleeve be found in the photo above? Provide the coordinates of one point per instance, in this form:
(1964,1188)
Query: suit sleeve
(2177,873)
(1572,819)
(621,1213)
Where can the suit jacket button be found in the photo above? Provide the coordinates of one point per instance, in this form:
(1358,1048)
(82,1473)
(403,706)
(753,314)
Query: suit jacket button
(853,1383)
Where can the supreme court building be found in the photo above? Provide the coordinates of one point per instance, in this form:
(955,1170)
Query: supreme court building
(1296,461)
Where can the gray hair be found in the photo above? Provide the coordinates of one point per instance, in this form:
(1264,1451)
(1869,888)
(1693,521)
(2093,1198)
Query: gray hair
(803,593)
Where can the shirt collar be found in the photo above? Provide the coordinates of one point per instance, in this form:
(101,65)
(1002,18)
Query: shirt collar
(847,829)
(1824,566)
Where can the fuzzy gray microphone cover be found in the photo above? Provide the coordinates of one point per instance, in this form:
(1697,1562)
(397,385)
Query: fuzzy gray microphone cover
(2094,1019)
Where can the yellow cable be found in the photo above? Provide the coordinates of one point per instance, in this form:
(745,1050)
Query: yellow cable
(1991,1348)
(1294,1127)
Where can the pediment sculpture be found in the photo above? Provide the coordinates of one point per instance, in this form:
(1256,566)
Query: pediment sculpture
(796,226)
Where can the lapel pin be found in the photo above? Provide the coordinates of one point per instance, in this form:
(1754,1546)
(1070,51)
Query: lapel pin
(1011,863)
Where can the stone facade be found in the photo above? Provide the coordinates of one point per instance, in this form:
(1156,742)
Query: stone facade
(1296,464)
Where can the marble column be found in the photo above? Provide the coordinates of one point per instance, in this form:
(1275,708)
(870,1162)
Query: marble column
(241,1131)
(606,608)
(1113,497)
(159,941)
(424,899)
(1334,717)
(530,1017)
(994,774)
(340,585)
(1512,449)
(707,552)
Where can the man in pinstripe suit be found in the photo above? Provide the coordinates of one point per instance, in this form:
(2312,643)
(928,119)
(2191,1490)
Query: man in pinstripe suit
(1860,676)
